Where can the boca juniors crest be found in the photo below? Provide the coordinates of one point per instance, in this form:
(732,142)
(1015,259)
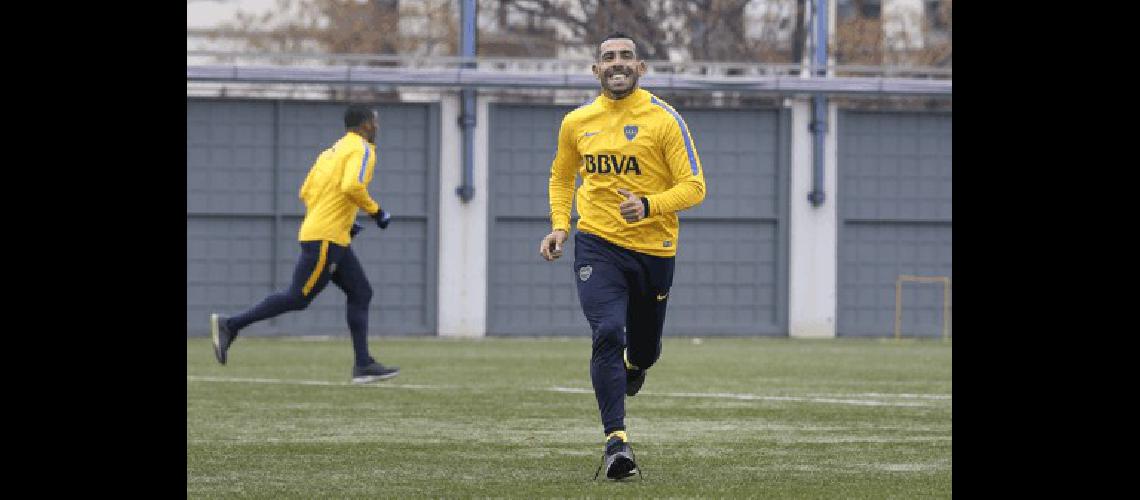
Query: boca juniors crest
(584,272)
(630,132)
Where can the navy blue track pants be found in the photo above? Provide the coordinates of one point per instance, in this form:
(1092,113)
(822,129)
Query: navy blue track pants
(623,295)
(320,263)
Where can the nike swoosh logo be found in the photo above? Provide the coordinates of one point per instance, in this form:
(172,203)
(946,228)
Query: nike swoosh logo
(588,134)
(662,297)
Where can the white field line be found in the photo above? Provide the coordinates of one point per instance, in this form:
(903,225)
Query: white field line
(198,378)
(573,390)
(882,395)
(751,397)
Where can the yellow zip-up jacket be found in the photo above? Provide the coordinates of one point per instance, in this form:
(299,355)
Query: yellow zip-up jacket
(638,143)
(336,187)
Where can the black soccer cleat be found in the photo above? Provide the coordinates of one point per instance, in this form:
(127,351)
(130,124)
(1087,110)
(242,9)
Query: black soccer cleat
(221,335)
(619,462)
(372,372)
(633,381)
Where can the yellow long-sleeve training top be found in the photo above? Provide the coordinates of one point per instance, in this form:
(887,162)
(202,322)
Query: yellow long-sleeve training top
(336,187)
(638,143)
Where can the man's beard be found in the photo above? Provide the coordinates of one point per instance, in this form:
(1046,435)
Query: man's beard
(631,81)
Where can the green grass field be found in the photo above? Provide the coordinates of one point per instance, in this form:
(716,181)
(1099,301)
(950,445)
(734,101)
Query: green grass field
(773,418)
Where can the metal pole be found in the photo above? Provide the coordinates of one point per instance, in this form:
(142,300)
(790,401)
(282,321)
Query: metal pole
(819,105)
(466,189)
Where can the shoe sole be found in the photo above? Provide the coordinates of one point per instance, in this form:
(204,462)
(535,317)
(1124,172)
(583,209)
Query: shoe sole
(373,378)
(214,336)
(621,469)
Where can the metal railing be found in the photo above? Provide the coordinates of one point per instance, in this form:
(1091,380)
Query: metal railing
(548,65)
(218,67)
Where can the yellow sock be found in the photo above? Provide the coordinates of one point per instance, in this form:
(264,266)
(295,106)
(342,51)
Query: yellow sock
(619,434)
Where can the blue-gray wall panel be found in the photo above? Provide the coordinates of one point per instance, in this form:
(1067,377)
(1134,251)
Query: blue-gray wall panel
(227,263)
(895,206)
(726,279)
(896,166)
(874,255)
(229,157)
(522,149)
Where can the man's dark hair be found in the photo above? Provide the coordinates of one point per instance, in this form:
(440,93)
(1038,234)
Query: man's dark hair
(616,34)
(356,115)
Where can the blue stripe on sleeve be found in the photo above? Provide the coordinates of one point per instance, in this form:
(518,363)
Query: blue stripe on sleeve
(684,132)
(364,163)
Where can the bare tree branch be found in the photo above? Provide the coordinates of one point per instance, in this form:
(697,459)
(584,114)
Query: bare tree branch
(719,30)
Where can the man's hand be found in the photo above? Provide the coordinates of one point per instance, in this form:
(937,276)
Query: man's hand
(382,218)
(632,210)
(356,229)
(551,246)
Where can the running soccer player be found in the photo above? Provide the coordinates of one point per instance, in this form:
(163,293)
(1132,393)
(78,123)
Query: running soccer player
(639,167)
(334,190)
